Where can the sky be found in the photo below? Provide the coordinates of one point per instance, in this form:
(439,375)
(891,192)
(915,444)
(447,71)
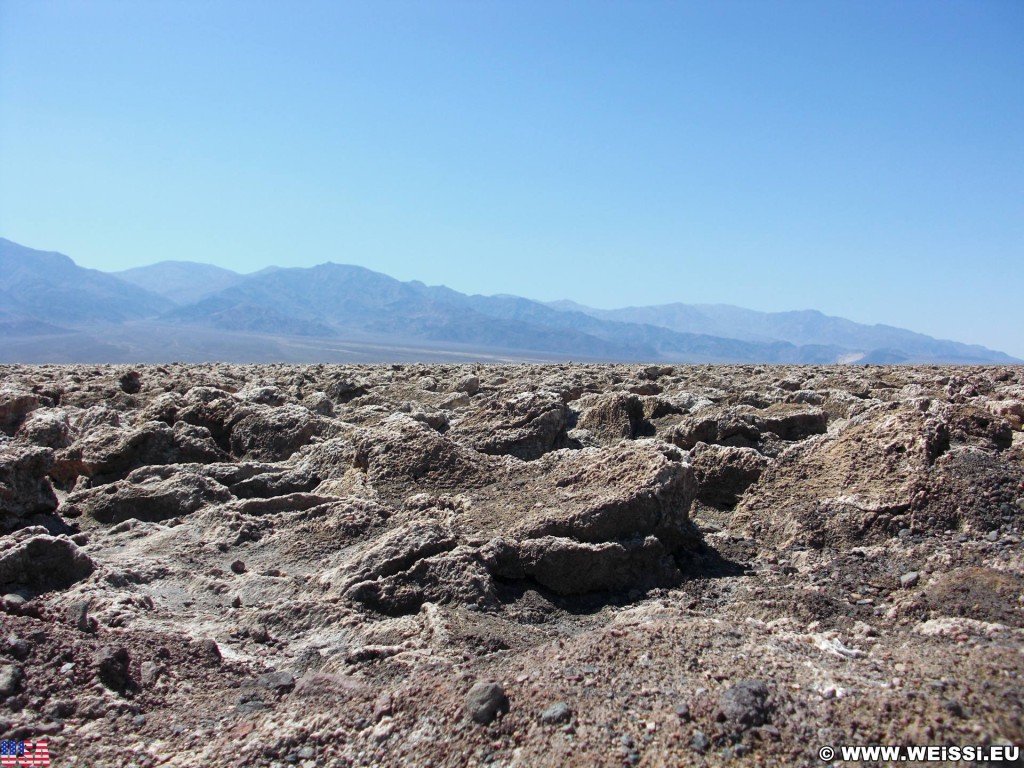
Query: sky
(862,158)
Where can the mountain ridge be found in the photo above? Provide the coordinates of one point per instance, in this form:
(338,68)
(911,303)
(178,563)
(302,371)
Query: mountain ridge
(180,281)
(49,287)
(45,295)
(790,325)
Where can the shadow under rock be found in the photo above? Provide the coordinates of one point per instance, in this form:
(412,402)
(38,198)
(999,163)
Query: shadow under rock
(54,524)
(708,563)
(538,603)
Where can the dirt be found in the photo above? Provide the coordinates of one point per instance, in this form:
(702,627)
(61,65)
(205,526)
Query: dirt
(327,565)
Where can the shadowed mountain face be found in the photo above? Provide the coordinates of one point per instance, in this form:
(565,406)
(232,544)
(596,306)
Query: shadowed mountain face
(50,288)
(54,310)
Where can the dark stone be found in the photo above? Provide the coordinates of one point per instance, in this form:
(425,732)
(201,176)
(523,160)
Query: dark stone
(209,651)
(278,682)
(131,382)
(909,579)
(18,648)
(78,614)
(954,708)
(62,709)
(746,704)
(251,702)
(112,667)
(485,701)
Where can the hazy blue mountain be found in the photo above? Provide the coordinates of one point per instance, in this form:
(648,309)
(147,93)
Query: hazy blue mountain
(183,282)
(863,343)
(53,310)
(50,288)
(333,299)
(337,299)
(656,342)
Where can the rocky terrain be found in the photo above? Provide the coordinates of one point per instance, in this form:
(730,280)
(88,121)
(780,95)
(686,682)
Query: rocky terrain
(508,565)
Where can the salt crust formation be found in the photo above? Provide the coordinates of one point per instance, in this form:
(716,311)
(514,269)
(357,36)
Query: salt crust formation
(508,565)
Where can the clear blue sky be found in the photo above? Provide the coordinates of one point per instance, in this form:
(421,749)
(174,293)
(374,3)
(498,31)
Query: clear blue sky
(861,158)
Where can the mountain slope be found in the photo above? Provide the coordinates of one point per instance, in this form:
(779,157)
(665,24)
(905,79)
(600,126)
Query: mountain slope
(332,299)
(662,342)
(50,288)
(803,327)
(182,282)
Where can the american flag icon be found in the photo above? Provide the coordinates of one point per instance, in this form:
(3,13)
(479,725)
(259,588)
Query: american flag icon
(24,754)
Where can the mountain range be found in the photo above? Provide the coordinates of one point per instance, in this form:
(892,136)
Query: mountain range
(52,310)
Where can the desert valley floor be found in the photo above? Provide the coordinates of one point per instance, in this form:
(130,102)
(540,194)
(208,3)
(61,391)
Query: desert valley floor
(508,565)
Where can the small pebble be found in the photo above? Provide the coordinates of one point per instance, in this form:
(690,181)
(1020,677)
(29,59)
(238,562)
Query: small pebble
(209,650)
(112,666)
(10,679)
(150,672)
(954,708)
(18,648)
(909,579)
(78,614)
(485,701)
(745,703)
(556,713)
(13,602)
(699,742)
(278,682)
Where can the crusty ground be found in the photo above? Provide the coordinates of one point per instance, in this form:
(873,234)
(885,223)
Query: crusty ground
(797,585)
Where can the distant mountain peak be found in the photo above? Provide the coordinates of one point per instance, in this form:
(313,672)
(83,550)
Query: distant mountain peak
(181,282)
(48,287)
(185,309)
